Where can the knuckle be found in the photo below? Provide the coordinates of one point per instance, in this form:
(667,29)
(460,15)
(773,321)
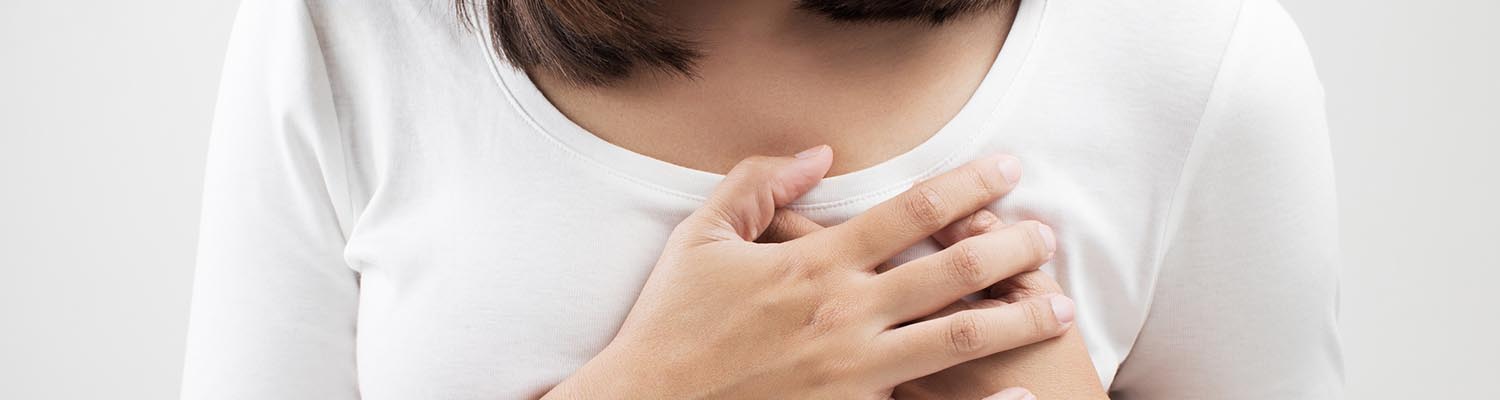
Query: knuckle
(924,208)
(964,336)
(992,184)
(1031,233)
(1037,319)
(780,229)
(979,223)
(722,217)
(1036,283)
(965,267)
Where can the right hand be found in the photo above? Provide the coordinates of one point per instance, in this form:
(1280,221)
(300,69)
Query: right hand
(724,317)
(1060,368)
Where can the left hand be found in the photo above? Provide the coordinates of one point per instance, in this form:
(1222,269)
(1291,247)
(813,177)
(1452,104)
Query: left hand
(1058,368)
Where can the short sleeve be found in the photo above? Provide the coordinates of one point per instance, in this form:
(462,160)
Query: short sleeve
(274,303)
(1245,305)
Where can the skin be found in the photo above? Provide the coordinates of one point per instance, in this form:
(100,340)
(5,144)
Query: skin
(722,316)
(1053,369)
(774,80)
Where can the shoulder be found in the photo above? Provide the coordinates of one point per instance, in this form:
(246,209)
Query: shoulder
(387,22)
(1171,66)
(1183,42)
(354,28)
(375,46)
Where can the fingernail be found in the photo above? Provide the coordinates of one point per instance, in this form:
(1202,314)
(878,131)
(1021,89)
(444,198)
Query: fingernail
(809,153)
(1014,393)
(1062,308)
(1010,167)
(1048,238)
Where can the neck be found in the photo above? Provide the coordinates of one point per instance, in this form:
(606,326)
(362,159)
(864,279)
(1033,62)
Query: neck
(774,79)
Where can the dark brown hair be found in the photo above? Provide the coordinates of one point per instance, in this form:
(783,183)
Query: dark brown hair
(595,42)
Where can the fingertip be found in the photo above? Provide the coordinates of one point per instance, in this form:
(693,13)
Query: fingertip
(739,206)
(817,160)
(1049,238)
(1010,168)
(807,168)
(814,151)
(1063,309)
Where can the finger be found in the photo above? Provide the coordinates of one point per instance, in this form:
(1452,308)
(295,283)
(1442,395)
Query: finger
(925,285)
(894,225)
(973,225)
(1014,393)
(1026,284)
(964,305)
(927,347)
(786,226)
(742,205)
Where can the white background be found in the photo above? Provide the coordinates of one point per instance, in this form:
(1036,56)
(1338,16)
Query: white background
(105,106)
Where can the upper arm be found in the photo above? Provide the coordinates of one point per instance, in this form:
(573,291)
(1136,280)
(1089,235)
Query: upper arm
(1245,303)
(274,303)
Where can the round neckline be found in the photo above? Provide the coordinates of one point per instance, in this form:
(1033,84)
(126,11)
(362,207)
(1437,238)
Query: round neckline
(893,174)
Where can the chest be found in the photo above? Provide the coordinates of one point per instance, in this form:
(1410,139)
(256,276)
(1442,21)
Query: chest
(503,283)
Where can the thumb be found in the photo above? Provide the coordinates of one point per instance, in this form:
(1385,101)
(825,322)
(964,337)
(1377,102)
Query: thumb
(744,203)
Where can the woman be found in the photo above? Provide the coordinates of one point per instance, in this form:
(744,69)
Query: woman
(400,206)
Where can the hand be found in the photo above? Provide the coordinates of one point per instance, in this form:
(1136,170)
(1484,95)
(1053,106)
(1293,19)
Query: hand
(724,317)
(1056,368)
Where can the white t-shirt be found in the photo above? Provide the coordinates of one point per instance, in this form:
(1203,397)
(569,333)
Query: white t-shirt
(392,213)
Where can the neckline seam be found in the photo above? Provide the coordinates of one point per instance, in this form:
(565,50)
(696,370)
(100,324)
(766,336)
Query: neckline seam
(581,155)
(494,62)
(961,143)
(975,137)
